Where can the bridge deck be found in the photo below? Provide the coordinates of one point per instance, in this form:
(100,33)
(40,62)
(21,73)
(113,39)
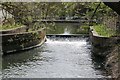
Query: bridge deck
(66,21)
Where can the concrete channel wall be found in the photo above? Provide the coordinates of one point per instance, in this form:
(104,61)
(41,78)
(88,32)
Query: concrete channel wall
(100,44)
(17,40)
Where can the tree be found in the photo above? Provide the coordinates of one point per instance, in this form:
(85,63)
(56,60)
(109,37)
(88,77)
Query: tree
(27,13)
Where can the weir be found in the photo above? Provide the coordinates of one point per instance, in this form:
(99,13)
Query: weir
(59,57)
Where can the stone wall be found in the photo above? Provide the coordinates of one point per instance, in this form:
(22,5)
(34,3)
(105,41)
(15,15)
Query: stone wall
(113,59)
(112,62)
(107,47)
(110,22)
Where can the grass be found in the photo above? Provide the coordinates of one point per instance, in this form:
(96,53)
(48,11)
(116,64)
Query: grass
(104,31)
(6,27)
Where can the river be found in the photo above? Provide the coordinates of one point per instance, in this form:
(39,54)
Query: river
(58,57)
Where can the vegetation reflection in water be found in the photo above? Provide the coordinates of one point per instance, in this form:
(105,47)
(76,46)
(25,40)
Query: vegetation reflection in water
(68,57)
(67,29)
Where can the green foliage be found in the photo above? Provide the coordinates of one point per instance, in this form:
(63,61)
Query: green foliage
(27,12)
(102,10)
(104,31)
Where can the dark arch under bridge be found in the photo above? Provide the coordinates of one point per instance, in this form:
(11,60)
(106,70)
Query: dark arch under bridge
(114,5)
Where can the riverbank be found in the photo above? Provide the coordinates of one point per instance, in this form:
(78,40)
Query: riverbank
(109,50)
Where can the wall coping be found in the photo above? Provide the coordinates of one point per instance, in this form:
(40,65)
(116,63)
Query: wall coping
(13,28)
(23,32)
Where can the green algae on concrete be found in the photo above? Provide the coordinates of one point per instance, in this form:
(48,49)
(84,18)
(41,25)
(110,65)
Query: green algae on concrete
(103,30)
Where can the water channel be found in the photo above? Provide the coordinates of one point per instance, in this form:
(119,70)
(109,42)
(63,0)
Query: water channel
(59,57)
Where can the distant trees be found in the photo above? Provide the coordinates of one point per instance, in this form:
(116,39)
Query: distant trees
(28,12)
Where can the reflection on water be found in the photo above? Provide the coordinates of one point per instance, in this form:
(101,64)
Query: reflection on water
(66,28)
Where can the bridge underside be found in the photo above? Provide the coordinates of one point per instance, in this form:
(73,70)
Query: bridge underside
(114,5)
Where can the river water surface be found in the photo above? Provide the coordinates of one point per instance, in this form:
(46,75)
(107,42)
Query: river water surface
(59,57)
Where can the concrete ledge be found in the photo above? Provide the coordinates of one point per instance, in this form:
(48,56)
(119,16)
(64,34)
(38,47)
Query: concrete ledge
(67,35)
(14,30)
